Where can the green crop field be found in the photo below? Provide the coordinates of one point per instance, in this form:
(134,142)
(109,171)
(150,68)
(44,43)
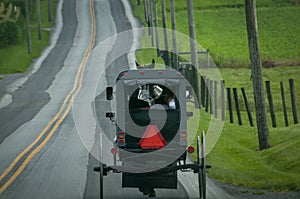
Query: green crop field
(221,28)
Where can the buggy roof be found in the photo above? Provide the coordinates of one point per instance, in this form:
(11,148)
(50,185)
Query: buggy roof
(150,74)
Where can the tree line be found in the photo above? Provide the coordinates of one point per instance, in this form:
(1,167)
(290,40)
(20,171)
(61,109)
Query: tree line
(15,20)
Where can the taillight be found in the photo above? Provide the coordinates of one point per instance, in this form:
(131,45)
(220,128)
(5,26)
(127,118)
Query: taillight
(121,138)
(183,137)
(190,149)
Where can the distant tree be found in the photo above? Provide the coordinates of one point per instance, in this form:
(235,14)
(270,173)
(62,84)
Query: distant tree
(10,34)
(49,11)
(39,19)
(28,38)
(10,27)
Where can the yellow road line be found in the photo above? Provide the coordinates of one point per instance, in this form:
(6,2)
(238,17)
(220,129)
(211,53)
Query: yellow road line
(76,88)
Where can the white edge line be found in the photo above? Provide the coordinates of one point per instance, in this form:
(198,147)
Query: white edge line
(136,34)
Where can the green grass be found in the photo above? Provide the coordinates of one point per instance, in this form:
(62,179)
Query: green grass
(221,27)
(227,38)
(14,54)
(15,59)
(219,4)
(236,160)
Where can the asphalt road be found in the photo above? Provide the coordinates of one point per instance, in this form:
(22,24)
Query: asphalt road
(63,167)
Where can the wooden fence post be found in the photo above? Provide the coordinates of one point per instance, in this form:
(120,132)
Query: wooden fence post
(211,106)
(293,99)
(207,95)
(230,105)
(271,105)
(216,98)
(207,58)
(223,105)
(202,95)
(284,105)
(247,107)
(237,106)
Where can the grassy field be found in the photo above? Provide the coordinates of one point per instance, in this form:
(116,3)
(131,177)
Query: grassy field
(236,158)
(227,38)
(15,59)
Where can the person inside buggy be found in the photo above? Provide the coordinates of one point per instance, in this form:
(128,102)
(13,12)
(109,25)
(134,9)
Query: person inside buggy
(152,104)
(146,96)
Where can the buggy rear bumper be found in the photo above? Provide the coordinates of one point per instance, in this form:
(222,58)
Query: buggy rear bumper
(184,167)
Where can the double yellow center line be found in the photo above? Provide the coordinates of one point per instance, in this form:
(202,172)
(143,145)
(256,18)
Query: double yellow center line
(59,116)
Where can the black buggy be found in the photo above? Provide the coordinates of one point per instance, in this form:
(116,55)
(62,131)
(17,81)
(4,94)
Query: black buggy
(151,132)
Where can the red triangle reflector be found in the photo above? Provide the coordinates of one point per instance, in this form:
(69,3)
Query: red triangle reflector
(152,138)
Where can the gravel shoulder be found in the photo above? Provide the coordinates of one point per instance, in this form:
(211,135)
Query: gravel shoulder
(251,193)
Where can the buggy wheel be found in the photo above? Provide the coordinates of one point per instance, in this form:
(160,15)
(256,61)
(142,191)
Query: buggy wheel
(101,180)
(201,162)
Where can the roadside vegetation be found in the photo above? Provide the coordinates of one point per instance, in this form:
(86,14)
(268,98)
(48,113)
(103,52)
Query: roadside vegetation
(227,39)
(13,50)
(221,28)
(236,159)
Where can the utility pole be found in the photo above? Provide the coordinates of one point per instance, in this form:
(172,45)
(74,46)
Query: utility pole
(39,19)
(156,26)
(193,46)
(257,79)
(28,26)
(174,36)
(151,22)
(49,11)
(146,10)
(164,23)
